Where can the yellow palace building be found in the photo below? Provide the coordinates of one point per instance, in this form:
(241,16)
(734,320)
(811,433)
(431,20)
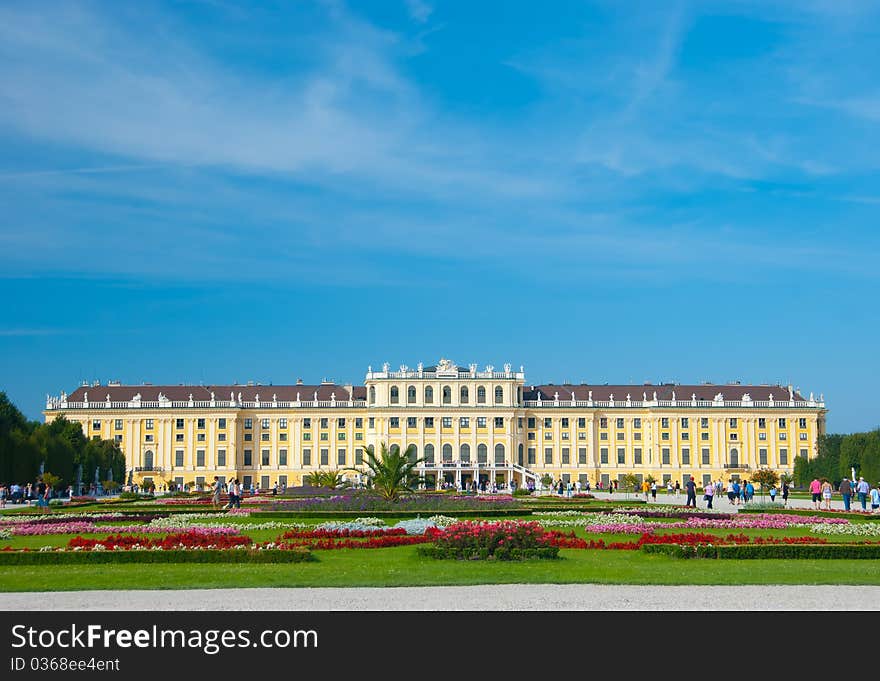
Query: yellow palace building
(466,423)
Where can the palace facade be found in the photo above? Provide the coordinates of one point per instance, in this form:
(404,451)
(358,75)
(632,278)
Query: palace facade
(467,424)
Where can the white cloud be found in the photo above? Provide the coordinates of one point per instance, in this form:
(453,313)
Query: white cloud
(419,10)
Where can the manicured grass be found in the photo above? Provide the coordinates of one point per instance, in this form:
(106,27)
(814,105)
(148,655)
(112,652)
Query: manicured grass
(403,567)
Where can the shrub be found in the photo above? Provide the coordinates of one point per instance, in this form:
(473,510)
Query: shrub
(771,551)
(504,540)
(522,492)
(438,552)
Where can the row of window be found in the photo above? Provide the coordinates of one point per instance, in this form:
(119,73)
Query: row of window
(445,422)
(429,423)
(265,455)
(685,456)
(446,395)
(684,421)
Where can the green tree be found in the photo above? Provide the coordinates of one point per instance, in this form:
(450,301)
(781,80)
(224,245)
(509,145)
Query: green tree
(19,459)
(392,472)
(766,477)
(630,481)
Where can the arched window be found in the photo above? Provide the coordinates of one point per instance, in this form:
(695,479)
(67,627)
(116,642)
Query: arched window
(464,394)
(499,394)
(734,457)
(482,454)
(499,454)
(520,459)
(411,395)
(395,395)
(429,453)
(372,394)
(447,452)
(413,452)
(148,460)
(447,395)
(429,395)
(481,395)
(465,454)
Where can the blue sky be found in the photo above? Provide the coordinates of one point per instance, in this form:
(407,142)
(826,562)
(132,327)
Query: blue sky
(605,192)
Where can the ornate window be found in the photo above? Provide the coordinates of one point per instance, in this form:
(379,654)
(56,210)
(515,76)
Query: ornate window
(447,395)
(411,395)
(482,454)
(429,395)
(463,394)
(395,395)
(499,394)
(372,394)
(447,452)
(429,453)
(481,395)
(499,454)
(465,453)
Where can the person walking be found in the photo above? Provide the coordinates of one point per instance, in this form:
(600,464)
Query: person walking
(645,489)
(826,494)
(654,491)
(709,493)
(816,493)
(750,491)
(731,492)
(846,491)
(772,494)
(691,489)
(218,489)
(677,488)
(875,498)
(863,489)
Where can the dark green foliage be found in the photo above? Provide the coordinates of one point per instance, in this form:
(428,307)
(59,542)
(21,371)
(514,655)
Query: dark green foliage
(431,551)
(838,454)
(777,551)
(118,557)
(60,446)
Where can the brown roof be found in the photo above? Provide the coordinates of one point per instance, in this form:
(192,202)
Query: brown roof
(704,391)
(150,393)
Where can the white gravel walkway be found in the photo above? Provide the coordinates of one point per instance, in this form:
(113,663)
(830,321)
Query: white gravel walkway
(545,597)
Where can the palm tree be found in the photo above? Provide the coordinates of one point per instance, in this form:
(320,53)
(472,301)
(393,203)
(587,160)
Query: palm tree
(392,472)
(329,479)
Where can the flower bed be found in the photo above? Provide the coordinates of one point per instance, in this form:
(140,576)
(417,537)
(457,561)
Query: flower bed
(691,539)
(37,529)
(371,503)
(855,529)
(505,540)
(178,541)
(344,538)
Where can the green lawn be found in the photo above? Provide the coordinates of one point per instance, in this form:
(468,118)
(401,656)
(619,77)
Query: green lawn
(403,567)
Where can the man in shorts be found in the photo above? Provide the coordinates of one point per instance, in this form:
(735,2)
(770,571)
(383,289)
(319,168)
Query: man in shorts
(816,492)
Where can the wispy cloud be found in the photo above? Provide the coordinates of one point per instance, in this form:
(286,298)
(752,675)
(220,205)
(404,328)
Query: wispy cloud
(419,10)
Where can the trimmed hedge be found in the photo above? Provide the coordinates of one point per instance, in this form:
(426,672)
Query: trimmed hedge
(763,551)
(544,553)
(297,555)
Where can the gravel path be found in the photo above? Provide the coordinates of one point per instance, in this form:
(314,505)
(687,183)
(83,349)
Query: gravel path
(551,597)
